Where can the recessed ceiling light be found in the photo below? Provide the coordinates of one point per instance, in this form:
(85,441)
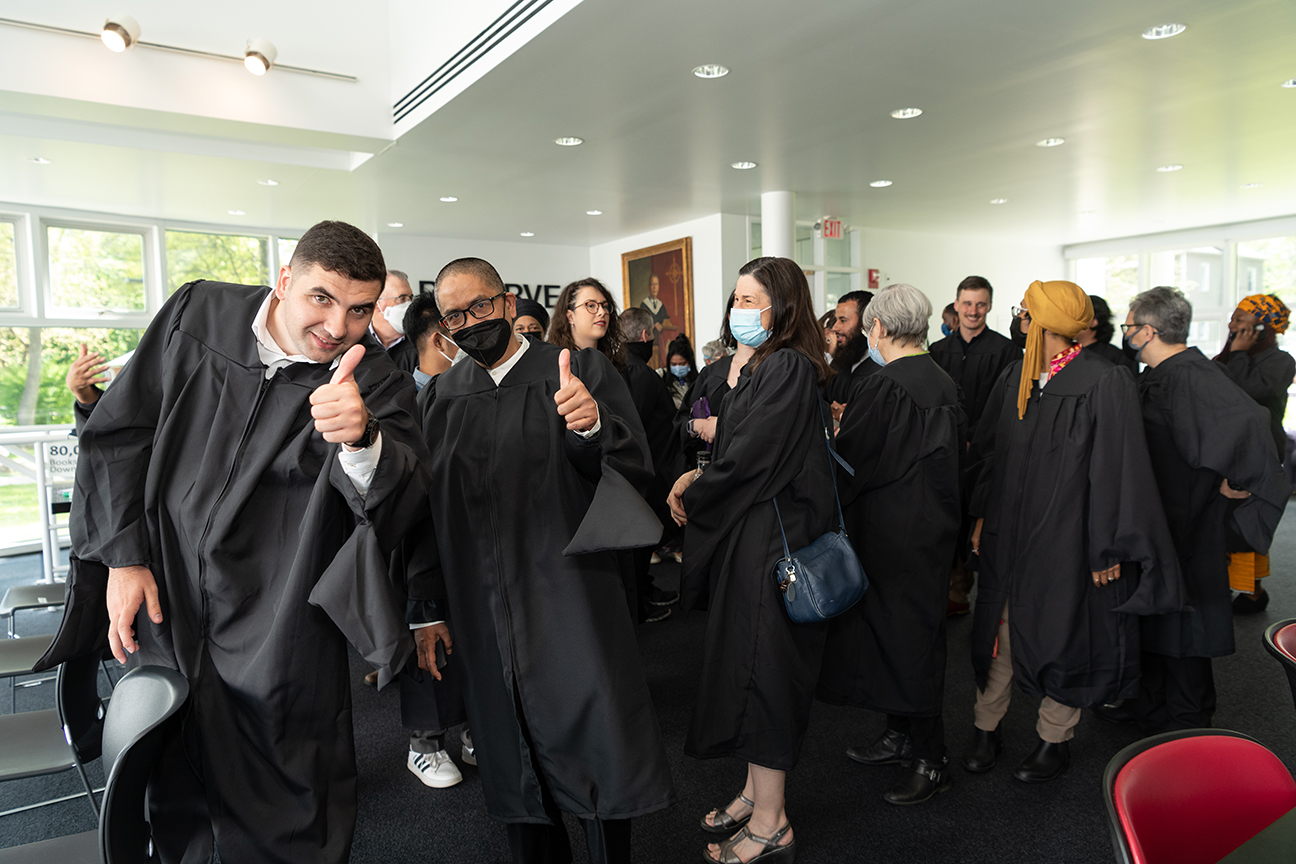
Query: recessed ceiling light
(880,184)
(1251,185)
(236,212)
(593,212)
(998,200)
(1289,83)
(449,199)
(119,33)
(528,233)
(1166,169)
(1088,212)
(568,142)
(906,113)
(395,224)
(744,166)
(1050,142)
(711,70)
(268,182)
(1164,31)
(39,160)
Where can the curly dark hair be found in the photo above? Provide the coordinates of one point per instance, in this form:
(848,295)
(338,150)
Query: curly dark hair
(560,328)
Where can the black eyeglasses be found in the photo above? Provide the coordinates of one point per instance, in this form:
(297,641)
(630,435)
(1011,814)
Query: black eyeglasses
(1127,329)
(480,309)
(593,307)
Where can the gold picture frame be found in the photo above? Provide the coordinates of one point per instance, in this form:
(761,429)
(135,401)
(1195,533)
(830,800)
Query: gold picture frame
(670,266)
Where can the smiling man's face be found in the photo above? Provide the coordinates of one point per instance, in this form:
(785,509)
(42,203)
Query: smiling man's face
(320,313)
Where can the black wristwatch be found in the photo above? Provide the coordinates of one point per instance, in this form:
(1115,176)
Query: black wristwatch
(370,434)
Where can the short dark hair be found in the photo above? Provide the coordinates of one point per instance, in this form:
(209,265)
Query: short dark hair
(975,283)
(859,298)
(1105,329)
(422,318)
(793,323)
(949,310)
(478,267)
(339,247)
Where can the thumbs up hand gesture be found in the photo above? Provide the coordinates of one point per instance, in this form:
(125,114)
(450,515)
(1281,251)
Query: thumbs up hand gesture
(575,404)
(339,411)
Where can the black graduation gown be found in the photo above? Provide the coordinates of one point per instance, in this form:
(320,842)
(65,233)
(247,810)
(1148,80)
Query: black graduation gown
(1113,354)
(846,382)
(266,558)
(1200,429)
(527,520)
(1265,377)
(405,355)
(975,367)
(1066,491)
(712,382)
(902,432)
(759,669)
(656,409)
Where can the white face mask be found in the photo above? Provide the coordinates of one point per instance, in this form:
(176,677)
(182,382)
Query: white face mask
(395,316)
(459,355)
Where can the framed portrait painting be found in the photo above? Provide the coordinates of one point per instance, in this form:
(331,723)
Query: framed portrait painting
(659,279)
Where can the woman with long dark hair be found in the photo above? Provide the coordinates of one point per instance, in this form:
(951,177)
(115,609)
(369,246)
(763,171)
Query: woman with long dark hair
(681,368)
(586,317)
(759,669)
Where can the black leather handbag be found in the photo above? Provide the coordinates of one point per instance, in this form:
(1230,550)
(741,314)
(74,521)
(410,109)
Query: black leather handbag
(824,579)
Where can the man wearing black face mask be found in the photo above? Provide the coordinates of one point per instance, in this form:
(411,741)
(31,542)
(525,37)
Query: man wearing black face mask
(536,481)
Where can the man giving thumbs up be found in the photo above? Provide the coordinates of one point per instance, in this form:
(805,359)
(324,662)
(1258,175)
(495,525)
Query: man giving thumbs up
(234,507)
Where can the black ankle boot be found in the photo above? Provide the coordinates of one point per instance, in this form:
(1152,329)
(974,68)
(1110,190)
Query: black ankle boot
(892,748)
(1046,763)
(920,782)
(1249,604)
(985,748)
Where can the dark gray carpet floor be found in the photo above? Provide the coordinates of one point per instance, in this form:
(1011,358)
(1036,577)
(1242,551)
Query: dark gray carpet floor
(834,804)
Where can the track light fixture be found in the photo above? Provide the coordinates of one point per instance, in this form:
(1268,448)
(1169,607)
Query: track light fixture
(259,56)
(119,33)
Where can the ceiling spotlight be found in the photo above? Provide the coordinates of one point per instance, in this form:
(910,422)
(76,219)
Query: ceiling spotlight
(119,33)
(569,142)
(744,166)
(1252,185)
(906,113)
(268,182)
(236,212)
(593,212)
(1050,142)
(259,56)
(528,233)
(395,224)
(998,200)
(1166,169)
(39,160)
(711,70)
(1290,83)
(880,184)
(449,199)
(1164,31)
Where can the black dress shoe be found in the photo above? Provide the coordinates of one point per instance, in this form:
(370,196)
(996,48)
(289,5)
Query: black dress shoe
(1122,714)
(892,748)
(920,782)
(985,748)
(1046,763)
(1249,604)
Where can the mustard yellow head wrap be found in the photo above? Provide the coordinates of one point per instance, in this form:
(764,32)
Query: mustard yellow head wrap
(1061,307)
(1268,310)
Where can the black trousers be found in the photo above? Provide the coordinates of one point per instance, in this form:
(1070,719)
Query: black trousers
(927,733)
(1176,692)
(607,840)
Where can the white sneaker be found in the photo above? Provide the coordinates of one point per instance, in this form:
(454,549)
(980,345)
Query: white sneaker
(435,770)
(469,752)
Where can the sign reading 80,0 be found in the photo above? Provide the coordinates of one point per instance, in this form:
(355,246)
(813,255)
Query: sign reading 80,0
(61,458)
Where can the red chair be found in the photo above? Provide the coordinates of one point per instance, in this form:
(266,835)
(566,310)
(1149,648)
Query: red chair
(1280,641)
(1192,797)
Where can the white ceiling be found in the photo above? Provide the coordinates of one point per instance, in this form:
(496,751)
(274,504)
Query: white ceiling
(808,97)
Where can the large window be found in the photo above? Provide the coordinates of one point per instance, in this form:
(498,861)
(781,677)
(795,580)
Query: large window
(8,266)
(218,257)
(1268,267)
(34,362)
(1115,279)
(96,270)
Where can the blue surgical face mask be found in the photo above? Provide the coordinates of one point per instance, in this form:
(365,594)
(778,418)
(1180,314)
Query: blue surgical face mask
(680,372)
(745,325)
(946,330)
(874,354)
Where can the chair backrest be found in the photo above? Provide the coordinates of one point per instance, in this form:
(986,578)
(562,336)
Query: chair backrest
(1193,796)
(144,703)
(1280,641)
(80,708)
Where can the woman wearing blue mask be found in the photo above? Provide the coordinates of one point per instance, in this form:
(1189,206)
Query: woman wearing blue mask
(681,371)
(759,669)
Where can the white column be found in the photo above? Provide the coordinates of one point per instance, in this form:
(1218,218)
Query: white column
(778,224)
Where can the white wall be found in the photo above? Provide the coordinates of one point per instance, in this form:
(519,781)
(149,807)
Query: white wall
(719,249)
(936,263)
(534,265)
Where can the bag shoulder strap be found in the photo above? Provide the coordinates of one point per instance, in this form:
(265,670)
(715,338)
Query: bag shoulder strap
(833,455)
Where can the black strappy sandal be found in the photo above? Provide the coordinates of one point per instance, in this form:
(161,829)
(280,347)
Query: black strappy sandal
(772,854)
(726,824)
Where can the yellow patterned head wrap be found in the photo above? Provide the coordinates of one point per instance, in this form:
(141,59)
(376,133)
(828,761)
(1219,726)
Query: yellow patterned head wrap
(1061,307)
(1268,310)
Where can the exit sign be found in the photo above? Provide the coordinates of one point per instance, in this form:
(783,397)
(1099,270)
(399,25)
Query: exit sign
(832,229)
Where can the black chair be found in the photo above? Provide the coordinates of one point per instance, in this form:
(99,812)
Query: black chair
(144,705)
(17,657)
(43,595)
(1280,641)
(58,739)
